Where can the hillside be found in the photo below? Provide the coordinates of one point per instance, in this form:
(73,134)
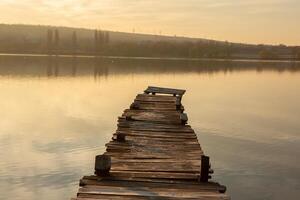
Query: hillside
(65,40)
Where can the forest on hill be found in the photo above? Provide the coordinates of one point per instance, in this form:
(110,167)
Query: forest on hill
(34,39)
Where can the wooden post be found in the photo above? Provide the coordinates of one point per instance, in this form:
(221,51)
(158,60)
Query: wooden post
(102,165)
(135,106)
(178,103)
(121,137)
(222,189)
(81,183)
(183,118)
(204,169)
(128,118)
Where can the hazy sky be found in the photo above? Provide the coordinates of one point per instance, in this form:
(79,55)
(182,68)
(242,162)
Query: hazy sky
(251,21)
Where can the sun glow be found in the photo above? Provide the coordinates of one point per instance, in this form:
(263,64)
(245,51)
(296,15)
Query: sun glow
(269,21)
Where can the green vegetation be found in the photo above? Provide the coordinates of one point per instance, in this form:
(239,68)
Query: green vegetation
(75,41)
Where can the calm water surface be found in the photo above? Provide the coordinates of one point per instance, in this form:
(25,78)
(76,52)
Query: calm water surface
(57,114)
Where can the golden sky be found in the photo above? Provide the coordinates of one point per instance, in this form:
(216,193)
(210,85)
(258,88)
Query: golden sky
(249,21)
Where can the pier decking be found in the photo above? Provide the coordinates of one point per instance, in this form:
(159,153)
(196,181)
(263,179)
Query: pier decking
(154,154)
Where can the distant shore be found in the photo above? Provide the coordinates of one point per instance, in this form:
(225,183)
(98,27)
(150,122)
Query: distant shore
(50,40)
(152,58)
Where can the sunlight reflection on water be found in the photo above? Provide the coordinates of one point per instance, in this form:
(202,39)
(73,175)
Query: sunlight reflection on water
(57,114)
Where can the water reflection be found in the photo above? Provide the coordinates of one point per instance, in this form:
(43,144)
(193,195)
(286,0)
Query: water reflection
(54,66)
(58,113)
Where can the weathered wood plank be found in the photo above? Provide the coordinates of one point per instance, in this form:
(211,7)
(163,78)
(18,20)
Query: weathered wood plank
(152,155)
(145,179)
(147,192)
(132,135)
(159,175)
(153,167)
(155,98)
(162,90)
(115,197)
(94,180)
(146,105)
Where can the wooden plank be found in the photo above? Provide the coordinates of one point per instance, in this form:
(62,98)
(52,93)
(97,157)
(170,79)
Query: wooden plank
(160,143)
(169,161)
(149,192)
(94,180)
(133,135)
(162,90)
(115,197)
(149,185)
(129,127)
(123,119)
(155,148)
(141,105)
(159,175)
(152,155)
(155,98)
(145,115)
(154,127)
(142,180)
(155,167)
(162,112)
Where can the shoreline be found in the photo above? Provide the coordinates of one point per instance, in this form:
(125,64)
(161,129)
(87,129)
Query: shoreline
(151,58)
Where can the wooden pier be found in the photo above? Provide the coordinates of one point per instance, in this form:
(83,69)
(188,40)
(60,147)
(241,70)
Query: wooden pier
(154,154)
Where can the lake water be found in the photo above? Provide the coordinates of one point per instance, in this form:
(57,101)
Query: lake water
(58,113)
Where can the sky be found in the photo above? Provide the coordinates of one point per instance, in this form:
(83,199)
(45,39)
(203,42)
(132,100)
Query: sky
(246,21)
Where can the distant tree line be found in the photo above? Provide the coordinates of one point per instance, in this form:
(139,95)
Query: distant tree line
(52,41)
(55,41)
(53,46)
(101,40)
(171,49)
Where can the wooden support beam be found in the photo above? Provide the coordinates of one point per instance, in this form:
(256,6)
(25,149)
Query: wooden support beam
(128,118)
(183,118)
(178,103)
(204,169)
(102,165)
(121,137)
(135,106)
(222,189)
